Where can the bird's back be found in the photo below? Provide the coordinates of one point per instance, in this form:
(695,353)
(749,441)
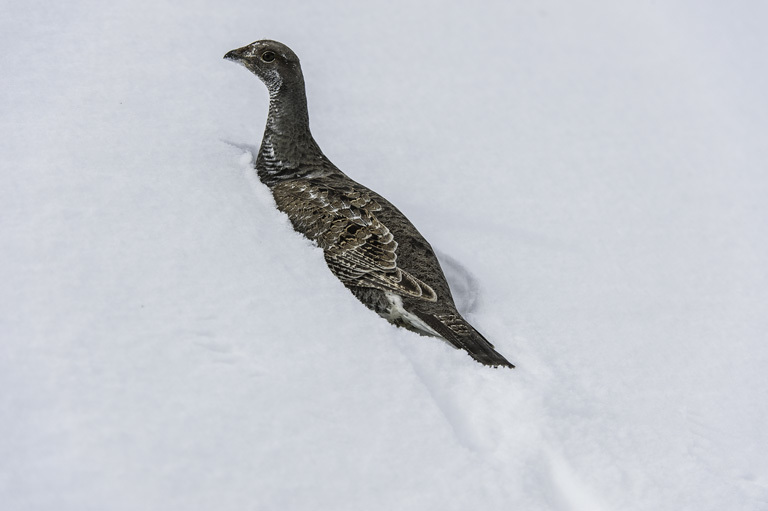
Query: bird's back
(378,254)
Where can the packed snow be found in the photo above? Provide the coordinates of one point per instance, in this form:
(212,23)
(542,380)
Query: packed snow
(593,176)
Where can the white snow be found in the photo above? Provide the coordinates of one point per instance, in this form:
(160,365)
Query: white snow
(594,173)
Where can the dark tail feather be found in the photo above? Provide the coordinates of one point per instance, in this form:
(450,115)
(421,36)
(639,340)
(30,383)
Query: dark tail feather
(455,329)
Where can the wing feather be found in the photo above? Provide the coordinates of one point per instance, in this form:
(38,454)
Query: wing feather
(359,249)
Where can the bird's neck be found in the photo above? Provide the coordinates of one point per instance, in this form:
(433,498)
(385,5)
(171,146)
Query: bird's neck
(288,110)
(288,150)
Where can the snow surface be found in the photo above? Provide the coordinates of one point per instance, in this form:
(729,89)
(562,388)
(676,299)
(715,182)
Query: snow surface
(594,174)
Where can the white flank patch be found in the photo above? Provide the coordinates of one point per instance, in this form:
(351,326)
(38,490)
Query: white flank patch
(397,311)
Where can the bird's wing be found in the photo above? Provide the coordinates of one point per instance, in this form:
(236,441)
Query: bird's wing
(359,249)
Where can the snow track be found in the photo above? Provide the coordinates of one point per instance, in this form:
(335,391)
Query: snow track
(591,175)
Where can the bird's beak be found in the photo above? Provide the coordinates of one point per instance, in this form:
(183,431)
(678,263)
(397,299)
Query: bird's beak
(235,55)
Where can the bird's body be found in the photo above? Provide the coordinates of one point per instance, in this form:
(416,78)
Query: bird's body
(368,243)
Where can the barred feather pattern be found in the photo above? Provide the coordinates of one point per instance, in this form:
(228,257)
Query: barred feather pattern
(359,249)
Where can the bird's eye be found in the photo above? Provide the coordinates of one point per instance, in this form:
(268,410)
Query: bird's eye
(268,56)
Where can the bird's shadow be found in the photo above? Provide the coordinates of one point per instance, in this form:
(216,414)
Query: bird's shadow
(465,287)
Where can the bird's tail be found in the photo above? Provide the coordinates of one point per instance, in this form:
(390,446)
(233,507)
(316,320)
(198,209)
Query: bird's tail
(457,331)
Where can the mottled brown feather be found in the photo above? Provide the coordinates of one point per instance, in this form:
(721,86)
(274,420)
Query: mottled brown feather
(359,249)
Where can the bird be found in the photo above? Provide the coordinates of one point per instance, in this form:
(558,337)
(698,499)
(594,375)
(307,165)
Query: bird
(367,243)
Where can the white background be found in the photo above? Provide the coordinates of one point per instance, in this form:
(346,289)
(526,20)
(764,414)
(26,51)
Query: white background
(593,175)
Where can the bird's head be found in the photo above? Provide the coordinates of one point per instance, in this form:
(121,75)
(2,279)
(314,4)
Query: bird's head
(273,62)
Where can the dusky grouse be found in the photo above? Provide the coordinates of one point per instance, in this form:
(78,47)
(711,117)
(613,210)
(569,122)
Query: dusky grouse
(368,243)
